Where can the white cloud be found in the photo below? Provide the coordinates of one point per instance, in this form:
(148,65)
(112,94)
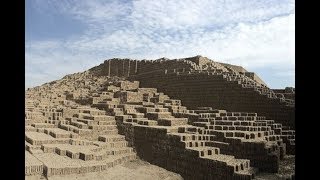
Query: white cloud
(250,33)
(172,14)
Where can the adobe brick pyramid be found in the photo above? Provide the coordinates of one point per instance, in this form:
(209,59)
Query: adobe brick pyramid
(198,81)
(193,116)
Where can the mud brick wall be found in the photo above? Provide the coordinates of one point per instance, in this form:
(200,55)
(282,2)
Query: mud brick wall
(33,115)
(253,76)
(126,67)
(287,93)
(32,165)
(157,147)
(148,66)
(84,101)
(258,155)
(149,91)
(118,68)
(199,90)
(55,166)
(127,85)
(53,115)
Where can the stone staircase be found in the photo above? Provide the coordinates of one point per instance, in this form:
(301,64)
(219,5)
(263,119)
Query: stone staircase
(158,114)
(244,135)
(86,142)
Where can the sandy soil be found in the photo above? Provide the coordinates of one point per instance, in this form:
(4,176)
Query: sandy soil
(142,170)
(138,169)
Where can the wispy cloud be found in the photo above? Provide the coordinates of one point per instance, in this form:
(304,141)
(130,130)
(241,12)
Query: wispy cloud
(253,33)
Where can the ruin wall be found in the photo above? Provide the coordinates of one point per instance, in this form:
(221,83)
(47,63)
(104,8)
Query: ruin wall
(199,90)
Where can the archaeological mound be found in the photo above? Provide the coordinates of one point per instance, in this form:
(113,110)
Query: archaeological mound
(192,116)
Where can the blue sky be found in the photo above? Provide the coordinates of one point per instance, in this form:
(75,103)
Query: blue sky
(68,36)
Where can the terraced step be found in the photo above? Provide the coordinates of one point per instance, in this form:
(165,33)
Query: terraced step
(37,138)
(288,132)
(30,128)
(158,115)
(219,144)
(238,134)
(79,124)
(194,137)
(113,122)
(111,138)
(273,138)
(117,113)
(100,156)
(236,118)
(191,144)
(42,125)
(237,164)
(164,109)
(269,122)
(89,122)
(35,151)
(208,119)
(119,151)
(246,173)
(105,145)
(148,122)
(29,146)
(137,115)
(206,151)
(243,127)
(88,117)
(102,127)
(201,124)
(190,129)
(146,109)
(172,121)
(111,132)
(173,101)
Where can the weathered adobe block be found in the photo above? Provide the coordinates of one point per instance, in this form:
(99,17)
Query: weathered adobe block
(128,96)
(172,121)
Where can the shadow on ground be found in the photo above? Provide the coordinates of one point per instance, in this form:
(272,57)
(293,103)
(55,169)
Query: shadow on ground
(286,169)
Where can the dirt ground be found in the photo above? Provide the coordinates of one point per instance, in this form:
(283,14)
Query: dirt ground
(137,169)
(142,170)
